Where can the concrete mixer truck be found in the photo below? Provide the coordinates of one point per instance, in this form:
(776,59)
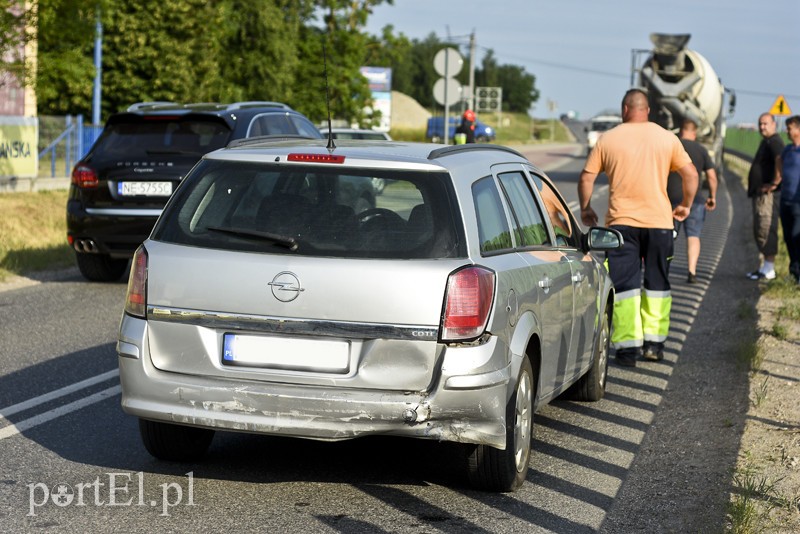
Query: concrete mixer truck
(681,84)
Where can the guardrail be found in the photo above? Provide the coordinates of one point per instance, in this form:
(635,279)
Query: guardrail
(742,157)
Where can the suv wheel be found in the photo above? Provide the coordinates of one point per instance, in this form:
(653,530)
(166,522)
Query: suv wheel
(100,267)
(495,470)
(174,442)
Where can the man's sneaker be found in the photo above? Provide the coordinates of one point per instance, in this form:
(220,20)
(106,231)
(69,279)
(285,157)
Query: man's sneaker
(758,275)
(627,357)
(653,352)
(692,278)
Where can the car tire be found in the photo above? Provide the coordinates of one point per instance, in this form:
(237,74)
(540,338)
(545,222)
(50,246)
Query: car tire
(492,469)
(592,386)
(101,267)
(175,443)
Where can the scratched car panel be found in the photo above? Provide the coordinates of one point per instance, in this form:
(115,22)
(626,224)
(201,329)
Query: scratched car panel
(272,297)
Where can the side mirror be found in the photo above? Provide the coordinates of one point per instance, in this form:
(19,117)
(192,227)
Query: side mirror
(601,239)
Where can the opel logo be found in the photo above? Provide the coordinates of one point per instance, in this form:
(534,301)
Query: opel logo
(286,286)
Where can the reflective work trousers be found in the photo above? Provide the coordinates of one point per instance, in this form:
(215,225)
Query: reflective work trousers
(641,314)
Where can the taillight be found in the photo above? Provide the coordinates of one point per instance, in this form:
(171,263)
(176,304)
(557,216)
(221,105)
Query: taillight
(136,300)
(470,293)
(84,177)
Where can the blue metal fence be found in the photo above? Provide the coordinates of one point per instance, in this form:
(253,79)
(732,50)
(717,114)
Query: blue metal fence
(71,145)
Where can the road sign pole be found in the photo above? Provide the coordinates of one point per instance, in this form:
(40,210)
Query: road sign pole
(446,99)
(447,63)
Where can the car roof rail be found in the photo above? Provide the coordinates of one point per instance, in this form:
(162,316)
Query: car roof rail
(245,141)
(470,147)
(258,104)
(215,106)
(144,106)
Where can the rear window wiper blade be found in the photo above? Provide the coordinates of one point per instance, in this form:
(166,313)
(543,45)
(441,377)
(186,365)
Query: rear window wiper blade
(285,241)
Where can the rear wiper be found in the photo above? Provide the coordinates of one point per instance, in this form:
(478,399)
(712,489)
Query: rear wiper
(284,241)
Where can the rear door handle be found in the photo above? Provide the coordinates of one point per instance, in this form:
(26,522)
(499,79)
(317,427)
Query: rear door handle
(545,283)
(577,278)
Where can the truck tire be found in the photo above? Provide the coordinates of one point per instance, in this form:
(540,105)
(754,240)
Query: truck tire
(100,267)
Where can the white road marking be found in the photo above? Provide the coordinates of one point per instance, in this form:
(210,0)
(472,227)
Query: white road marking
(27,424)
(66,390)
(14,429)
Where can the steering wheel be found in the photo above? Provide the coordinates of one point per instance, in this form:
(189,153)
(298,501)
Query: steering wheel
(388,217)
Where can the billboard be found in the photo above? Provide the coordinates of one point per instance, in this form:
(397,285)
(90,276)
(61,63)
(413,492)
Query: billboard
(380,83)
(18,146)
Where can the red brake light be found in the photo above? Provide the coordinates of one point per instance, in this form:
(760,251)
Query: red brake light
(469,298)
(136,299)
(84,177)
(316,158)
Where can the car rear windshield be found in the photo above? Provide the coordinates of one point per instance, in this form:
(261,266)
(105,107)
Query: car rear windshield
(315,210)
(153,136)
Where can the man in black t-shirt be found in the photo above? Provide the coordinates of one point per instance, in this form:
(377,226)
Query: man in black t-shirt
(693,224)
(762,188)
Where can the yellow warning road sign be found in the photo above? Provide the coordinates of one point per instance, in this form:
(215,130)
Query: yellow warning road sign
(780,107)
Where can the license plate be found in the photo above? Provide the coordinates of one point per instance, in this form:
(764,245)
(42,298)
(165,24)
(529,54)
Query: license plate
(286,353)
(147,189)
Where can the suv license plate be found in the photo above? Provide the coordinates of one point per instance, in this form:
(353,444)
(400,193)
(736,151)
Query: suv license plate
(148,189)
(286,353)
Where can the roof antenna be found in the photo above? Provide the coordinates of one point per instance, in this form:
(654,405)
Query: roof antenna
(330,146)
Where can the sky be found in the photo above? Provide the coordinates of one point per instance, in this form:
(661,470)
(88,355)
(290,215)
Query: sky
(580,50)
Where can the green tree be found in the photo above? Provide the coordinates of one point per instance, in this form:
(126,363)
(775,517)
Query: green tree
(395,52)
(519,88)
(14,21)
(161,50)
(345,45)
(65,66)
(348,90)
(261,47)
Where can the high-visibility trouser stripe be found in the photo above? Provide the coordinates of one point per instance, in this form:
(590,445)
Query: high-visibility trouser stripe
(656,306)
(627,321)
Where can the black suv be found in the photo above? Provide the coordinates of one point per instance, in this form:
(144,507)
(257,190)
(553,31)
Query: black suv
(120,187)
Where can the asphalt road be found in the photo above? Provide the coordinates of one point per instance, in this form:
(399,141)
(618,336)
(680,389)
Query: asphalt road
(71,460)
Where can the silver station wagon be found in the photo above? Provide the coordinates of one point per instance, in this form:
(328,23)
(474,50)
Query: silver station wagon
(270,299)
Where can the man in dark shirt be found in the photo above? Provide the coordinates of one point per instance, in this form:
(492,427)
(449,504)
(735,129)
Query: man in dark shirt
(693,224)
(762,188)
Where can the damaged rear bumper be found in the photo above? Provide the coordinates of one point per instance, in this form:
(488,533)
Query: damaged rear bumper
(467,407)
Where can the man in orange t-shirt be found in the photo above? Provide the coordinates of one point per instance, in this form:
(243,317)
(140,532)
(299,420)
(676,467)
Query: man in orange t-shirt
(638,156)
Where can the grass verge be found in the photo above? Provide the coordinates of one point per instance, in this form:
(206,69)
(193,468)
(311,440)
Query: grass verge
(33,232)
(763,495)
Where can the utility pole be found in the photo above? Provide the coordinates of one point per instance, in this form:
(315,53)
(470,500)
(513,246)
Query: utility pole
(98,70)
(472,70)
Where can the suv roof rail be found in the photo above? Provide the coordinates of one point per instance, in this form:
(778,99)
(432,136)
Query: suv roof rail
(141,106)
(258,104)
(246,141)
(215,106)
(470,147)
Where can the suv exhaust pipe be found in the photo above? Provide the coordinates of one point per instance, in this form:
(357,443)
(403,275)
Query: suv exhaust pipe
(86,246)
